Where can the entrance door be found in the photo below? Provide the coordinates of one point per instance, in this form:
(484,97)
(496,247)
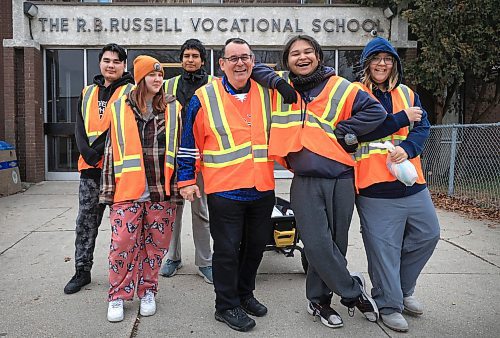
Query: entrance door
(64,82)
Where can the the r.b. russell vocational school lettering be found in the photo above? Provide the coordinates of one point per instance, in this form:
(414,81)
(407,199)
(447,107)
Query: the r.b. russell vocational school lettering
(233,25)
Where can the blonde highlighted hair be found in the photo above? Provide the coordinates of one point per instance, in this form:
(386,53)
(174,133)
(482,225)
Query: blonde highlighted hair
(366,78)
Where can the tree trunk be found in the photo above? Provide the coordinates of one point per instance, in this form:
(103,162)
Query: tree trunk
(492,102)
(477,104)
(439,109)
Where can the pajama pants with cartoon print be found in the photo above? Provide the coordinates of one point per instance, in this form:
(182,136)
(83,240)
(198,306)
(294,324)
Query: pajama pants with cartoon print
(140,236)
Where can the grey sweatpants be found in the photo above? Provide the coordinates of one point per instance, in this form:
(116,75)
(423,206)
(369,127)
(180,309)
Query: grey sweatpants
(323,210)
(400,236)
(201,230)
(87,223)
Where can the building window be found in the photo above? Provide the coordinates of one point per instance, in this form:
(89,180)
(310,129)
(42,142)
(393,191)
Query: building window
(65,76)
(93,68)
(349,64)
(64,83)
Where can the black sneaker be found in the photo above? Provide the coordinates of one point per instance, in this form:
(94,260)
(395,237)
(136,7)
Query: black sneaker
(364,302)
(328,316)
(236,319)
(253,307)
(81,278)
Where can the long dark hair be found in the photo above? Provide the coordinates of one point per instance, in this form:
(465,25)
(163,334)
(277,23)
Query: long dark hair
(312,41)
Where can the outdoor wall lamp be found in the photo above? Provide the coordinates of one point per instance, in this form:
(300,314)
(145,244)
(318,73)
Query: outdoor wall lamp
(388,13)
(30,10)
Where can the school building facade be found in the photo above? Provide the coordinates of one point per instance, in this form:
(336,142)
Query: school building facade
(50,52)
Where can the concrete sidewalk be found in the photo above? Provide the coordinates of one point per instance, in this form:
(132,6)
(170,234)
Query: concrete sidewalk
(459,286)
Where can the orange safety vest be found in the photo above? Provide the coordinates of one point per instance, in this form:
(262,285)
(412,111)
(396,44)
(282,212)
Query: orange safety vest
(371,162)
(128,163)
(95,125)
(234,155)
(290,131)
(170,85)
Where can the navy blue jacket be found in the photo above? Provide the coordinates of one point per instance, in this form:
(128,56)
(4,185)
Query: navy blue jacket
(414,143)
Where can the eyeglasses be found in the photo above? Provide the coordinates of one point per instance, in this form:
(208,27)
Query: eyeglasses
(389,60)
(234,59)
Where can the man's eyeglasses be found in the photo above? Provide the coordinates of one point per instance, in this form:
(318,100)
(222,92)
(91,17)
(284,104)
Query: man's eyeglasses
(234,59)
(389,60)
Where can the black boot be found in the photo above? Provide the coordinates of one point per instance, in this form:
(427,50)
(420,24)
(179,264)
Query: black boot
(81,278)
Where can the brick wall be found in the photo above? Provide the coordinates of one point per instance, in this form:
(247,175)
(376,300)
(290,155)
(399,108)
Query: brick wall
(8,106)
(19,111)
(6,71)
(29,114)
(23,109)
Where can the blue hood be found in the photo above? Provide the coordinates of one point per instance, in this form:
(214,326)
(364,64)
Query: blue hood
(381,45)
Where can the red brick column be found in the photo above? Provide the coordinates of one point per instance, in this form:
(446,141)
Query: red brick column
(8,99)
(30,120)
(6,75)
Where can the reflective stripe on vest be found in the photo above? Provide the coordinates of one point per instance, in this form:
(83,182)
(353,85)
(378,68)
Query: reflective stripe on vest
(404,93)
(371,168)
(123,163)
(364,150)
(170,85)
(88,96)
(171,132)
(338,95)
(329,117)
(281,106)
(229,153)
(126,163)
(267,109)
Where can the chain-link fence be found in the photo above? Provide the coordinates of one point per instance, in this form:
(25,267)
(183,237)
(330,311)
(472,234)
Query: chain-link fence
(463,161)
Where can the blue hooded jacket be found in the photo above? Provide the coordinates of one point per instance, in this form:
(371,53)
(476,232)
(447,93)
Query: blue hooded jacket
(414,143)
(381,45)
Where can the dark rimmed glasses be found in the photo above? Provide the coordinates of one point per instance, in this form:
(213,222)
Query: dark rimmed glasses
(234,59)
(376,60)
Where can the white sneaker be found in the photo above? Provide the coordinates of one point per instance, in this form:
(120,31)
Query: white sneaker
(412,306)
(395,321)
(115,310)
(148,304)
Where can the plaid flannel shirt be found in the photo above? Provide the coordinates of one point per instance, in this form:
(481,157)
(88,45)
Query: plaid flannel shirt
(153,140)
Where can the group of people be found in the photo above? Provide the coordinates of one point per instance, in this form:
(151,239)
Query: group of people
(145,148)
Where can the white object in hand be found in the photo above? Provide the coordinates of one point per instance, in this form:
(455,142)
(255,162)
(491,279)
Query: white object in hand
(405,171)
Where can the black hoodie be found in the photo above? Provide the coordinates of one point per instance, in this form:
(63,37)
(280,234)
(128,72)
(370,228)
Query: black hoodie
(92,154)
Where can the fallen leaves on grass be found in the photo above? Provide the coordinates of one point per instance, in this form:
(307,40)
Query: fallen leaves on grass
(468,208)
